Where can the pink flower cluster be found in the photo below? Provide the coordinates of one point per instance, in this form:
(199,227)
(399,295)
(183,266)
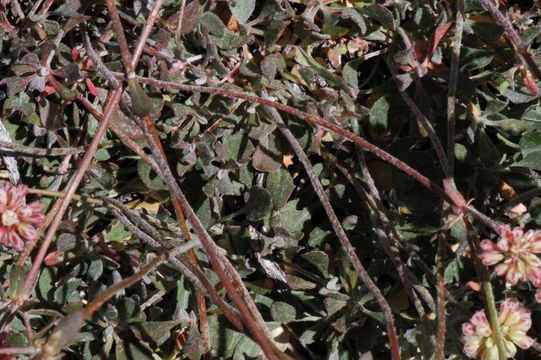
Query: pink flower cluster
(515,255)
(515,320)
(18,220)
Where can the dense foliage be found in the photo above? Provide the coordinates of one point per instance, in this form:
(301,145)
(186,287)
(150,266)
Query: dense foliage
(383,71)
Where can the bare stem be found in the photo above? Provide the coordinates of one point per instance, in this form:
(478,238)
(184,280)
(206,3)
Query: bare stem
(35,8)
(18,350)
(69,326)
(118,133)
(178,209)
(45,7)
(59,194)
(316,120)
(201,304)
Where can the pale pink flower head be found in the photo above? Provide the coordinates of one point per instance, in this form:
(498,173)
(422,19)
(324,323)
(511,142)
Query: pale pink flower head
(18,220)
(514,255)
(515,320)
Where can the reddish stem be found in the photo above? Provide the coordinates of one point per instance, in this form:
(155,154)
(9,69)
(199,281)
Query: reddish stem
(513,37)
(201,304)
(114,99)
(119,32)
(316,120)
(144,35)
(216,259)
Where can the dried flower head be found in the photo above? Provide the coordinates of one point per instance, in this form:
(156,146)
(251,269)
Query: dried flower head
(18,220)
(515,320)
(515,255)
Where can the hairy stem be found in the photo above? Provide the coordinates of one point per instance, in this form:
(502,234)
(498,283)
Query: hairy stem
(141,42)
(513,37)
(442,321)
(119,32)
(29,150)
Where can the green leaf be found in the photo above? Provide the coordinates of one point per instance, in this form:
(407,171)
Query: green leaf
(267,156)
(319,260)
(292,219)
(128,350)
(283,312)
(472,59)
(518,95)
(353,15)
(379,113)
(16,281)
(488,152)
(269,65)
(204,213)
(246,349)
(259,204)
(490,32)
(95,269)
(380,14)
(280,186)
(242,9)
(452,271)
(530,34)
(159,331)
(66,241)
(513,126)
(68,292)
(45,284)
(149,177)
(530,145)
(223,338)
(213,23)
(117,233)
(349,73)
(102,155)
(15,339)
(142,105)
(19,103)
(129,310)
(237,147)
(306,59)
